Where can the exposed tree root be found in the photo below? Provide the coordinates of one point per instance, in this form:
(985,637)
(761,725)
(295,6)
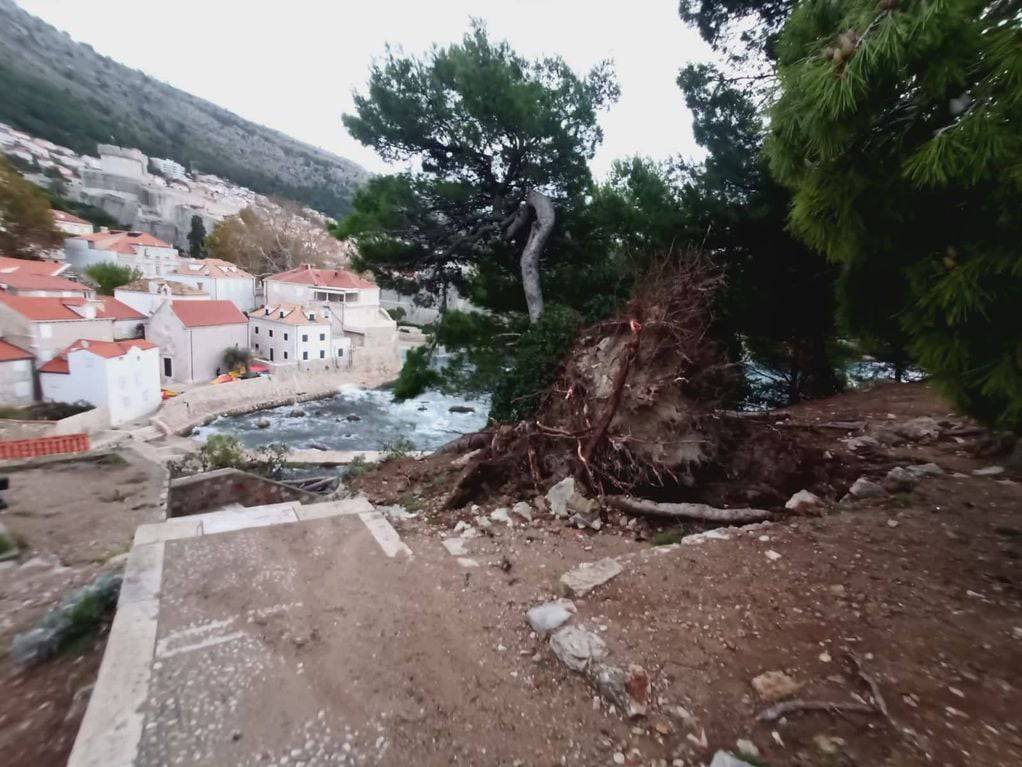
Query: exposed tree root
(696,511)
(787,707)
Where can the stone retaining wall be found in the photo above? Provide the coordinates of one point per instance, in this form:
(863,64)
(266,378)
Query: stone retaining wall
(181,414)
(213,489)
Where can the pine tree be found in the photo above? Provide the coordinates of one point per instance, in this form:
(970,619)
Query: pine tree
(897,128)
(197,238)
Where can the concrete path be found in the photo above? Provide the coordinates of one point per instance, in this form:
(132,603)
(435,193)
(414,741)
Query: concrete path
(209,631)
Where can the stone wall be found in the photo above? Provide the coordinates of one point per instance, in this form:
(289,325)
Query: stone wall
(88,422)
(181,414)
(213,489)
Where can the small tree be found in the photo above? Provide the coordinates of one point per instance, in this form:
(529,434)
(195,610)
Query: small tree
(26,223)
(108,277)
(235,359)
(197,238)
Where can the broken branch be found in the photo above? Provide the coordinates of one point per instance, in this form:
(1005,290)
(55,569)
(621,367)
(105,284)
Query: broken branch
(697,511)
(784,708)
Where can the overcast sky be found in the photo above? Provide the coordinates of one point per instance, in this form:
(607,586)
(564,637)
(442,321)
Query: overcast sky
(293,65)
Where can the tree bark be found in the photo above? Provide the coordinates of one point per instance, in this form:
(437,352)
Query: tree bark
(698,511)
(542,226)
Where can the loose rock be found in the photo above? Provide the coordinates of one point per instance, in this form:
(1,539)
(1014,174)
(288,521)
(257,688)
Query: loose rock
(628,690)
(522,509)
(501,515)
(900,480)
(925,470)
(724,759)
(775,685)
(550,616)
(803,500)
(460,409)
(577,647)
(866,488)
(587,576)
(988,471)
(558,495)
(263,423)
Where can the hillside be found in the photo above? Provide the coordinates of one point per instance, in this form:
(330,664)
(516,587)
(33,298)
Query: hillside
(56,88)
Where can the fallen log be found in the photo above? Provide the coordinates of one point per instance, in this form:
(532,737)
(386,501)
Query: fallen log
(697,511)
(788,707)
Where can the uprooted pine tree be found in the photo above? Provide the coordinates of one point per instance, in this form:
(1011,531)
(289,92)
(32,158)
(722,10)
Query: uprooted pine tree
(638,416)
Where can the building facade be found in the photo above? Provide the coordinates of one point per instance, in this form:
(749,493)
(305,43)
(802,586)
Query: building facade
(71,224)
(17,383)
(150,256)
(193,336)
(121,376)
(289,334)
(221,280)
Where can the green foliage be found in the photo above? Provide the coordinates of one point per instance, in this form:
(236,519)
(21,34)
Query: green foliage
(107,277)
(397,313)
(270,460)
(897,132)
(95,216)
(222,451)
(26,224)
(401,447)
(357,467)
(533,364)
(416,376)
(484,127)
(197,238)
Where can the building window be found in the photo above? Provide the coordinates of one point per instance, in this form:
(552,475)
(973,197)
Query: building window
(199,285)
(257,330)
(305,355)
(305,338)
(285,355)
(270,331)
(340,352)
(257,347)
(322,336)
(168,367)
(285,336)
(322,354)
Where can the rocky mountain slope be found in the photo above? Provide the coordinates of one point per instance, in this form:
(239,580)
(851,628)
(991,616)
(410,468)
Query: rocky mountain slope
(65,91)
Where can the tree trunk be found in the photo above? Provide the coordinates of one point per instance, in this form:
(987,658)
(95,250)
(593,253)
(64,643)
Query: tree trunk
(542,225)
(697,511)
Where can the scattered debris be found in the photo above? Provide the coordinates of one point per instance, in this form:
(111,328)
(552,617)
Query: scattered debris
(588,575)
(787,707)
(627,690)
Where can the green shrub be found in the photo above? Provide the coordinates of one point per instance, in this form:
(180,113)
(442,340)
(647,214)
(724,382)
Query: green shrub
(222,452)
(109,277)
(416,375)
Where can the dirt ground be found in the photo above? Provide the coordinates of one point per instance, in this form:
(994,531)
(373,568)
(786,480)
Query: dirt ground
(921,589)
(72,519)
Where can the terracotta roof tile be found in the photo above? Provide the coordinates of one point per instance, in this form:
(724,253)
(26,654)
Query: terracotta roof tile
(9,352)
(70,218)
(106,349)
(326,278)
(196,314)
(19,280)
(43,309)
(289,314)
(121,241)
(10,265)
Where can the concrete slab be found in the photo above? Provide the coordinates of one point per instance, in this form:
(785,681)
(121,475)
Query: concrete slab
(228,521)
(333,508)
(172,529)
(385,534)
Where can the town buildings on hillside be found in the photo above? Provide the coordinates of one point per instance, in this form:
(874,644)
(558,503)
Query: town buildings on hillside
(222,280)
(71,224)
(20,283)
(10,265)
(193,337)
(123,377)
(148,255)
(147,294)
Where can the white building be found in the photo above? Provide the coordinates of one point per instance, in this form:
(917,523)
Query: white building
(150,256)
(287,333)
(121,376)
(222,280)
(352,302)
(71,224)
(16,380)
(119,161)
(146,295)
(193,336)
(46,326)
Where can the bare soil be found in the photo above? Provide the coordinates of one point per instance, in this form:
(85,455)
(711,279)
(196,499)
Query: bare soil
(72,520)
(921,588)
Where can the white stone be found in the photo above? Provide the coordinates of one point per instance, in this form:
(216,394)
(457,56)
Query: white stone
(866,488)
(577,647)
(803,499)
(550,616)
(772,555)
(925,469)
(587,576)
(522,509)
(501,515)
(724,759)
(558,495)
(988,471)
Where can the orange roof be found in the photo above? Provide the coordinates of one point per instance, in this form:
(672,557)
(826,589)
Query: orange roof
(19,280)
(70,218)
(123,242)
(106,349)
(289,314)
(45,309)
(209,267)
(9,352)
(197,314)
(10,265)
(306,274)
